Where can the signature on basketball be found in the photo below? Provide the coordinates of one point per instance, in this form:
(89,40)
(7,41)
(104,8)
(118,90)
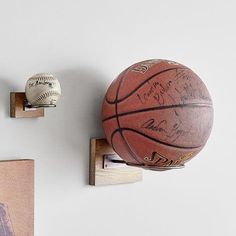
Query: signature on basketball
(157,91)
(151,124)
(186,90)
(169,131)
(181,88)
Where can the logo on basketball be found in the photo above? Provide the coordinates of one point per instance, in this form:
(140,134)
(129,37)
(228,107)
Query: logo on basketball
(160,116)
(143,67)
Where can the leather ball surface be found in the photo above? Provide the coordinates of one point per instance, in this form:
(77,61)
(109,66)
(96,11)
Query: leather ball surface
(43,89)
(157,114)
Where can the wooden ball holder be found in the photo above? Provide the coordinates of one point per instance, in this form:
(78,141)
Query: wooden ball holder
(21,108)
(107,168)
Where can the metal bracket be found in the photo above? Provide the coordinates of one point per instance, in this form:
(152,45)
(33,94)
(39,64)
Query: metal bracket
(157,168)
(28,107)
(113,161)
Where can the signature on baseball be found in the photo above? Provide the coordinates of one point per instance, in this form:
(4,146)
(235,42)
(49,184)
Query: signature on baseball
(50,84)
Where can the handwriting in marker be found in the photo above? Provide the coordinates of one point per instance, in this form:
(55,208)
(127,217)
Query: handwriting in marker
(151,125)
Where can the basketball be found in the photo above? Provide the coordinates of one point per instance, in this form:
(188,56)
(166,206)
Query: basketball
(157,114)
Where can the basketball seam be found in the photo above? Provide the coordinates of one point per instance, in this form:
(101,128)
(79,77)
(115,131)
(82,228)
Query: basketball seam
(116,116)
(125,71)
(193,105)
(118,123)
(138,87)
(153,139)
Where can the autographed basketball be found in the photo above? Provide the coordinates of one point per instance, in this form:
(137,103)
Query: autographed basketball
(157,114)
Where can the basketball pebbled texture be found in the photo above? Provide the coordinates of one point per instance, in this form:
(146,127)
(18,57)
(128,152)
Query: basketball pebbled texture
(157,114)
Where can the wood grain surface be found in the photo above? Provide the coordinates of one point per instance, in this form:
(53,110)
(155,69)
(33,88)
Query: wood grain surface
(98,175)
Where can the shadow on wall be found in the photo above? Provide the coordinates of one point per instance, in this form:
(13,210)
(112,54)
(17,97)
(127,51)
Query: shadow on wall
(78,116)
(5,89)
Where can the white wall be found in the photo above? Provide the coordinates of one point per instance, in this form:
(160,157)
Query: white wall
(86,44)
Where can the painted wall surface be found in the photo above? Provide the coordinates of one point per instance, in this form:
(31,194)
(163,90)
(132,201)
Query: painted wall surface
(86,44)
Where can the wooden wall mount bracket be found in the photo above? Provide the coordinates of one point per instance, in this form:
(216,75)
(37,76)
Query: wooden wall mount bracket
(17,108)
(107,168)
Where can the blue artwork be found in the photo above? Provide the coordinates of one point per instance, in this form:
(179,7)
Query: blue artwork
(5,223)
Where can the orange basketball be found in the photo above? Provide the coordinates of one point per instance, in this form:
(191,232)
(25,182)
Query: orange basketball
(157,114)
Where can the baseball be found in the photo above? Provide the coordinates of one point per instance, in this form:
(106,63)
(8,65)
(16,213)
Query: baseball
(43,89)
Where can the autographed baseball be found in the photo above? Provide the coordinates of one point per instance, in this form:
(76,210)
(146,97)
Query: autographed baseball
(43,89)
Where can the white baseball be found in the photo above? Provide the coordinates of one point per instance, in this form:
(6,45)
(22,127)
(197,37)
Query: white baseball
(43,89)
